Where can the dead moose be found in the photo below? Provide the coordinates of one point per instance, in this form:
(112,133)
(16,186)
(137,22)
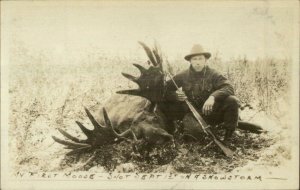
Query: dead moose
(145,115)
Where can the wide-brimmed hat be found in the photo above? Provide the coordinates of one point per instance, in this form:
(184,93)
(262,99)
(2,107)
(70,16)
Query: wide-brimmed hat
(197,50)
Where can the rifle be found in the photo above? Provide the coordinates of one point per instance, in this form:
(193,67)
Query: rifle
(205,127)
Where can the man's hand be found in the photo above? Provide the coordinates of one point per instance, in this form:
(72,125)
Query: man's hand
(180,95)
(208,105)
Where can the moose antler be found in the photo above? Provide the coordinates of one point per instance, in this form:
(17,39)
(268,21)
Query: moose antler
(149,53)
(100,135)
(154,56)
(151,80)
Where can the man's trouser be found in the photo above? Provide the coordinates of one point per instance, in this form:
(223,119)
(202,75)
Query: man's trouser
(224,112)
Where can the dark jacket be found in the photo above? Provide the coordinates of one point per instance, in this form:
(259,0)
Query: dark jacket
(198,86)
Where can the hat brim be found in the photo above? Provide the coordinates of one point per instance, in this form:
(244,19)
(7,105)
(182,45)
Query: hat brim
(207,55)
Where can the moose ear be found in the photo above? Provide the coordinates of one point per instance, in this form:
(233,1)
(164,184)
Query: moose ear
(152,108)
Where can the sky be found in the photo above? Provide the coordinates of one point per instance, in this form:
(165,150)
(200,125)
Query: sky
(229,28)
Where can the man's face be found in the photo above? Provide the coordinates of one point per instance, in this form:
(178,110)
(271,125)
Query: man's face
(198,62)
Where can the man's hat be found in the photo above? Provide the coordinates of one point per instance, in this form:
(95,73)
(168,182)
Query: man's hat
(197,50)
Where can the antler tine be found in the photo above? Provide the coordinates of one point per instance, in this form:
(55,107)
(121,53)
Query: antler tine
(69,136)
(158,56)
(93,120)
(86,131)
(130,77)
(134,92)
(78,150)
(109,125)
(141,68)
(70,144)
(106,118)
(149,53)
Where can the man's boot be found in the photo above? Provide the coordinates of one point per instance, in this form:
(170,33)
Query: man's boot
(228,135)
(231,116)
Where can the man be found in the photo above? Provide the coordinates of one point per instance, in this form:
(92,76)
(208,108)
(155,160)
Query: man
(209,92)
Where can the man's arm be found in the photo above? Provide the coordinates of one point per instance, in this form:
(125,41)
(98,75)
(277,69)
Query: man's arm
(170,94)
(224,88)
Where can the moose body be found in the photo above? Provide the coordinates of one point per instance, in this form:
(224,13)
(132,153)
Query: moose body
(124,117)
(130,115)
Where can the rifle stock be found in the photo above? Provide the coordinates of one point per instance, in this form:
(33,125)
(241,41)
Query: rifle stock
(227,151)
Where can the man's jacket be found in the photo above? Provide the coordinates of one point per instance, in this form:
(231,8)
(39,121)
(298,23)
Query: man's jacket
(198,86)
